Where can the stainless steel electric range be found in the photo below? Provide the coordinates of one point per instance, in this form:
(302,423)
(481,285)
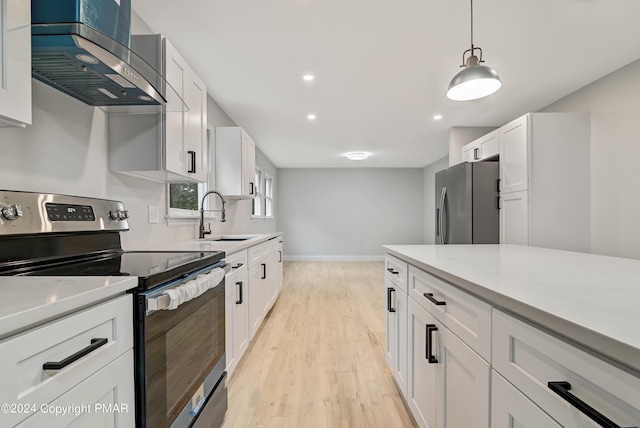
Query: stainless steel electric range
(179,313)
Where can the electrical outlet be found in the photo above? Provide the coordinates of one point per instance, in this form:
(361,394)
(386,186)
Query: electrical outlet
(154,214)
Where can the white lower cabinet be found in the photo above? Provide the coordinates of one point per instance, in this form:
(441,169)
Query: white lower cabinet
(396,338)
(448,381)
(84,360)
(511,409)
(237,309)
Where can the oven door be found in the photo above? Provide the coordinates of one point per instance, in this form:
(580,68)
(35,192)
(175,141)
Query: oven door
(180,345)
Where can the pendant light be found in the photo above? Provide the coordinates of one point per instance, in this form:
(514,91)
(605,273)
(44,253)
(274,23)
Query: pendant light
(475,81)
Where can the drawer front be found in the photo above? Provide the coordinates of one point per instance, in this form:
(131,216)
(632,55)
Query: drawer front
(104,400)
(396,271)
(22,356)
(511,409)
(257,252)
(466,316)
(238,263)
(530,359)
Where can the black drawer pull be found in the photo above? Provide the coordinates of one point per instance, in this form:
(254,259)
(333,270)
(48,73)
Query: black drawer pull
(239,265)
(239,301)
(430,297)
(394,272)
(429,340)
(389,291)
(264,270)
(562,388)
(59,365)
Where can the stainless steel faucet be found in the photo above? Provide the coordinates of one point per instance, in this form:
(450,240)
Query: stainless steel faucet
(202,230)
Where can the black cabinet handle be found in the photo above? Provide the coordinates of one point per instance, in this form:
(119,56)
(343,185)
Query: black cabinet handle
(239,301)
(192,168)
(429,339)
(279,256)
(498,185)
(264,270)
(562,388)
(498,202)
(251,184)
(389,291)
(59,365)
(475,154)
(394,272)
(430,297)
(239,265)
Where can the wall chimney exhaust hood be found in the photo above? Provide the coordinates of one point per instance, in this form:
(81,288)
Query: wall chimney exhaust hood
(81,47)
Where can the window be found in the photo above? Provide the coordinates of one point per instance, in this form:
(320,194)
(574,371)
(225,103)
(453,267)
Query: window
(263,207)
(258,198)
(268,196)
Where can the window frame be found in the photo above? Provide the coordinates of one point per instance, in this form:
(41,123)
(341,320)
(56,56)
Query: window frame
(258,197)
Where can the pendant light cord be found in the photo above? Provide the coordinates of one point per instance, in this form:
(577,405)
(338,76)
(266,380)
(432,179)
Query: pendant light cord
(472,25)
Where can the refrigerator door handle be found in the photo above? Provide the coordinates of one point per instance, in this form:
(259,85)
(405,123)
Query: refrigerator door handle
(438,222)
(442,215)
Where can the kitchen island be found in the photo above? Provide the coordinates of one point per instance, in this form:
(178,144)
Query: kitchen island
(516,333)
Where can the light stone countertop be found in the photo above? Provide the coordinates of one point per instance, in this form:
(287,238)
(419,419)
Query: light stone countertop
(210,244)
(29,301)
(592,300)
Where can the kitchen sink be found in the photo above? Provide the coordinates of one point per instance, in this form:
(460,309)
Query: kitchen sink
(234,238)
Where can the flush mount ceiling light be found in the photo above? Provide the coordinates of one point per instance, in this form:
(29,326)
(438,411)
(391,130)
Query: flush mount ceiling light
(308,77)
(437,117)
(311,116)
(475,81)
(357,156)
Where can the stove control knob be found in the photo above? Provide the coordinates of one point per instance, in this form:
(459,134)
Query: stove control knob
(126,214)
(121,214)
(12,212)
(114,215)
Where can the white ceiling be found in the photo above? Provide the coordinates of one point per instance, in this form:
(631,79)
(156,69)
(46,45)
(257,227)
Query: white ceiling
(382,67)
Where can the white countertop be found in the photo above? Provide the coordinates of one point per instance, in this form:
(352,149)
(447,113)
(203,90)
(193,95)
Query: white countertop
(210,244)
(592,300)
(28,301)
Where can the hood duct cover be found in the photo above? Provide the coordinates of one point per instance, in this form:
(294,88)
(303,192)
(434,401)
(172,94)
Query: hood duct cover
(82,49)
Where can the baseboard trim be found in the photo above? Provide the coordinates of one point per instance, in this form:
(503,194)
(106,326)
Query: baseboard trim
(334,258)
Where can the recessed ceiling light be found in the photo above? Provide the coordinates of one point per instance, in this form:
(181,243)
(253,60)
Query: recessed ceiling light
(437,117)
(357,156)
(311,117)
(308,77)
(87,58)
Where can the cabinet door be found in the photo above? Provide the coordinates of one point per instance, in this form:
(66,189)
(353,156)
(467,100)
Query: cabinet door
(514,218)
(401,370)
(237,328)
(511,409)
(470,152)
(489,145)
(423,379)
(174,151)
(15,62)
(463,397)
(514,147)
(280,273)
(248,165)
(254,305)
(195,135)
(391,323)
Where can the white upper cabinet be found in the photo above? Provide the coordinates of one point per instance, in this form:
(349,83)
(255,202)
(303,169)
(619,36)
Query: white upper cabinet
(15,63)
(170,146)
(545,181)
(485,147)
(235,163)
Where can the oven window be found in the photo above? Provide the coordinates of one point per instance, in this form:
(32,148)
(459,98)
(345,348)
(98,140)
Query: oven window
(181,348)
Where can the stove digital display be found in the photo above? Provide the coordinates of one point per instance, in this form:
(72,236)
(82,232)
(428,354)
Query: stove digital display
(68,212)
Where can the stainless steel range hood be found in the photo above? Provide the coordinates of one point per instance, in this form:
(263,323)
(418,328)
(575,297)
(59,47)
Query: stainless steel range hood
(72,52)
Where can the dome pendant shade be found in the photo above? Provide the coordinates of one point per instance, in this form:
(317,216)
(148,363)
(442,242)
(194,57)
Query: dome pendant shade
(473,82)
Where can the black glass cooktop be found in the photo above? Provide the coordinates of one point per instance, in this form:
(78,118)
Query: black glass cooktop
(153,268)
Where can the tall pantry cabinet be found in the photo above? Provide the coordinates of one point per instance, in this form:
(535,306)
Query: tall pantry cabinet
(545,181)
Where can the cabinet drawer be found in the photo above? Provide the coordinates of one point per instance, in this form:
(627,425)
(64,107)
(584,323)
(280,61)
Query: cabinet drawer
(104,400)
(238,263)
(257,252)
(22,356)
(466,316)
(530,359)
(511,409)
(396,271)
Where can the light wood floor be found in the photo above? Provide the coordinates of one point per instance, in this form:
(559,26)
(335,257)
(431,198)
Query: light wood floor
(318,359)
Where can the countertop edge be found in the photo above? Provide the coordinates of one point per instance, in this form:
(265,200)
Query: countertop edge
(620,354)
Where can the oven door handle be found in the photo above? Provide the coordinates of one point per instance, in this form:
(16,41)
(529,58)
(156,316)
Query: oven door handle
(172,298)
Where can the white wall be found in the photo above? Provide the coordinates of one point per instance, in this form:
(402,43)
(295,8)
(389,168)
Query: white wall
(614,104)
(348,213)
(429,179)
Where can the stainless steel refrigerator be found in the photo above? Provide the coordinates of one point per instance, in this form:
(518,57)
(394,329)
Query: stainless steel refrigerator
(467,204)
